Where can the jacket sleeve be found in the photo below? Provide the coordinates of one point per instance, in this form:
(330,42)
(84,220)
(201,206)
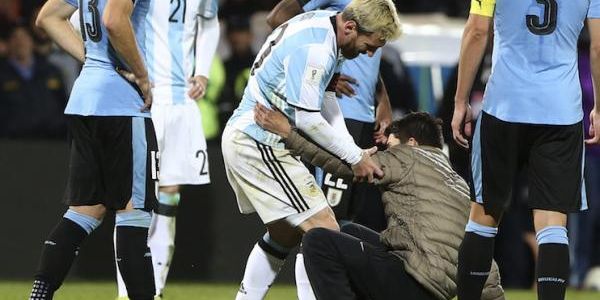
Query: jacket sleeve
(316,156)
(492,289)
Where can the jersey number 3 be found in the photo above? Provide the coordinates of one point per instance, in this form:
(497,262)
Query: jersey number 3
(92,30)
(546,26)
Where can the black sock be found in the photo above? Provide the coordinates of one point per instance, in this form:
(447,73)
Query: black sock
(135,262)
(59,251)
(552,271)
(474,263)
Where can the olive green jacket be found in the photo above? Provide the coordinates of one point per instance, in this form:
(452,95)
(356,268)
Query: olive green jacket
(426,205)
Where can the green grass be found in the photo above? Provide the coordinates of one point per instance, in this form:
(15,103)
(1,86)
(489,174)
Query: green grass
(13,290)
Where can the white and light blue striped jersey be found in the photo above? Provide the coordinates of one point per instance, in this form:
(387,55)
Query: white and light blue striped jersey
(171,45)
(292,70)
(535,76)
(364,69)
(100,90)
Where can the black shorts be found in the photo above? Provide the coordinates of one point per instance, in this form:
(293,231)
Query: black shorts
(553,155)
(339,192)
(113,159)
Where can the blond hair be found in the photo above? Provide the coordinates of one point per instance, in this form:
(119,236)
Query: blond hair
(375,16)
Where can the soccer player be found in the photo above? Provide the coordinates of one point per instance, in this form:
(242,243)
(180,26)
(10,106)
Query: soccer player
(180,44)
(113,160)
(291,73)
(532,117)
(426,204)
(366,109)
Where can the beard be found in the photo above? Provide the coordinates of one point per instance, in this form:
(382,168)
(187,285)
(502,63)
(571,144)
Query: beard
(349,53)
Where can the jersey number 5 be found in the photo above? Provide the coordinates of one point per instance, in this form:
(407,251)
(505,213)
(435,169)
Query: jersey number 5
(548,25)
(92,30)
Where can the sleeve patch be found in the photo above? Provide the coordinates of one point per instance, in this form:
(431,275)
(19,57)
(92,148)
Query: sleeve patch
(313,75)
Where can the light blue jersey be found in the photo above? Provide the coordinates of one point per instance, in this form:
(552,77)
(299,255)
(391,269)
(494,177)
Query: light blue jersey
(292,70)
(363,68)
(534,76)
(171,42)
(100,90)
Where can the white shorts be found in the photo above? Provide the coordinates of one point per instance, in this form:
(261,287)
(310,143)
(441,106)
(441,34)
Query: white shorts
(269,181)
(181,143)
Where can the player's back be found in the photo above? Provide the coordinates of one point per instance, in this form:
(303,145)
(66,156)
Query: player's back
(364,69)
(291,70)
(100,90)
(534,71)
(170,45)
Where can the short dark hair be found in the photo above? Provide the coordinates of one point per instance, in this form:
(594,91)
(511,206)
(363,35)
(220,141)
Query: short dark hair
(421,126)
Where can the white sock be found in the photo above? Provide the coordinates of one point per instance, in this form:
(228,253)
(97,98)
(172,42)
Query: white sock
(161,240)
(303,286)
(261,270)
(121,288)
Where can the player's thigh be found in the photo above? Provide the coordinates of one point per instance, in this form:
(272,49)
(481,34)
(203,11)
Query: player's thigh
(269,180)
(184,157)
(84,184)
(556,168)
(130,162)
(374,272)
(495,161)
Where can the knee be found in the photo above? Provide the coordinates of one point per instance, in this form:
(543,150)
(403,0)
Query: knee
(314,239)
(95,211)
(350,228)
(133,218)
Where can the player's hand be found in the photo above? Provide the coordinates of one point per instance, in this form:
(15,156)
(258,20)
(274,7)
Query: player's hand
(366,169)
(594,130)
(383,119)
(272,120)
(146,88)
(198,87)
(144,85)
(462,123)
(344,86)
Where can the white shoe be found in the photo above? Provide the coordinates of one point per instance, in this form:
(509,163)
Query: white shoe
(592,279)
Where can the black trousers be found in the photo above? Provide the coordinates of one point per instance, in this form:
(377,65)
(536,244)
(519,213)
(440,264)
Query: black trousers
(354,264)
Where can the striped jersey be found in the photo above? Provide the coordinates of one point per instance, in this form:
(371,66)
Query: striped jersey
(364,69)
(292,69)
(171,45)
(534,76)
(100,90)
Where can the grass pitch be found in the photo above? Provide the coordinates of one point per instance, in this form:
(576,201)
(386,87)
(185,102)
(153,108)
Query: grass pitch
(14,290)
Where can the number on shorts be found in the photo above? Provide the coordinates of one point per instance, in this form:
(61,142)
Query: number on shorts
(267,51)
(203,169)
(548,25)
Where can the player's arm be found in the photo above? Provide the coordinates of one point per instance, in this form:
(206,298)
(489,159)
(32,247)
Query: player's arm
(274,121)
(283,11)
(594,28)
(473,45)
(116,19)
(54,19)
(287,9)
(383,112)
(206,44)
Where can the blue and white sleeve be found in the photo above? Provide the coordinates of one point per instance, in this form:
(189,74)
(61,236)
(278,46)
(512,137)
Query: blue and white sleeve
(594,10)
(209,9)
(308,5)
(73,3)
(308,71)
